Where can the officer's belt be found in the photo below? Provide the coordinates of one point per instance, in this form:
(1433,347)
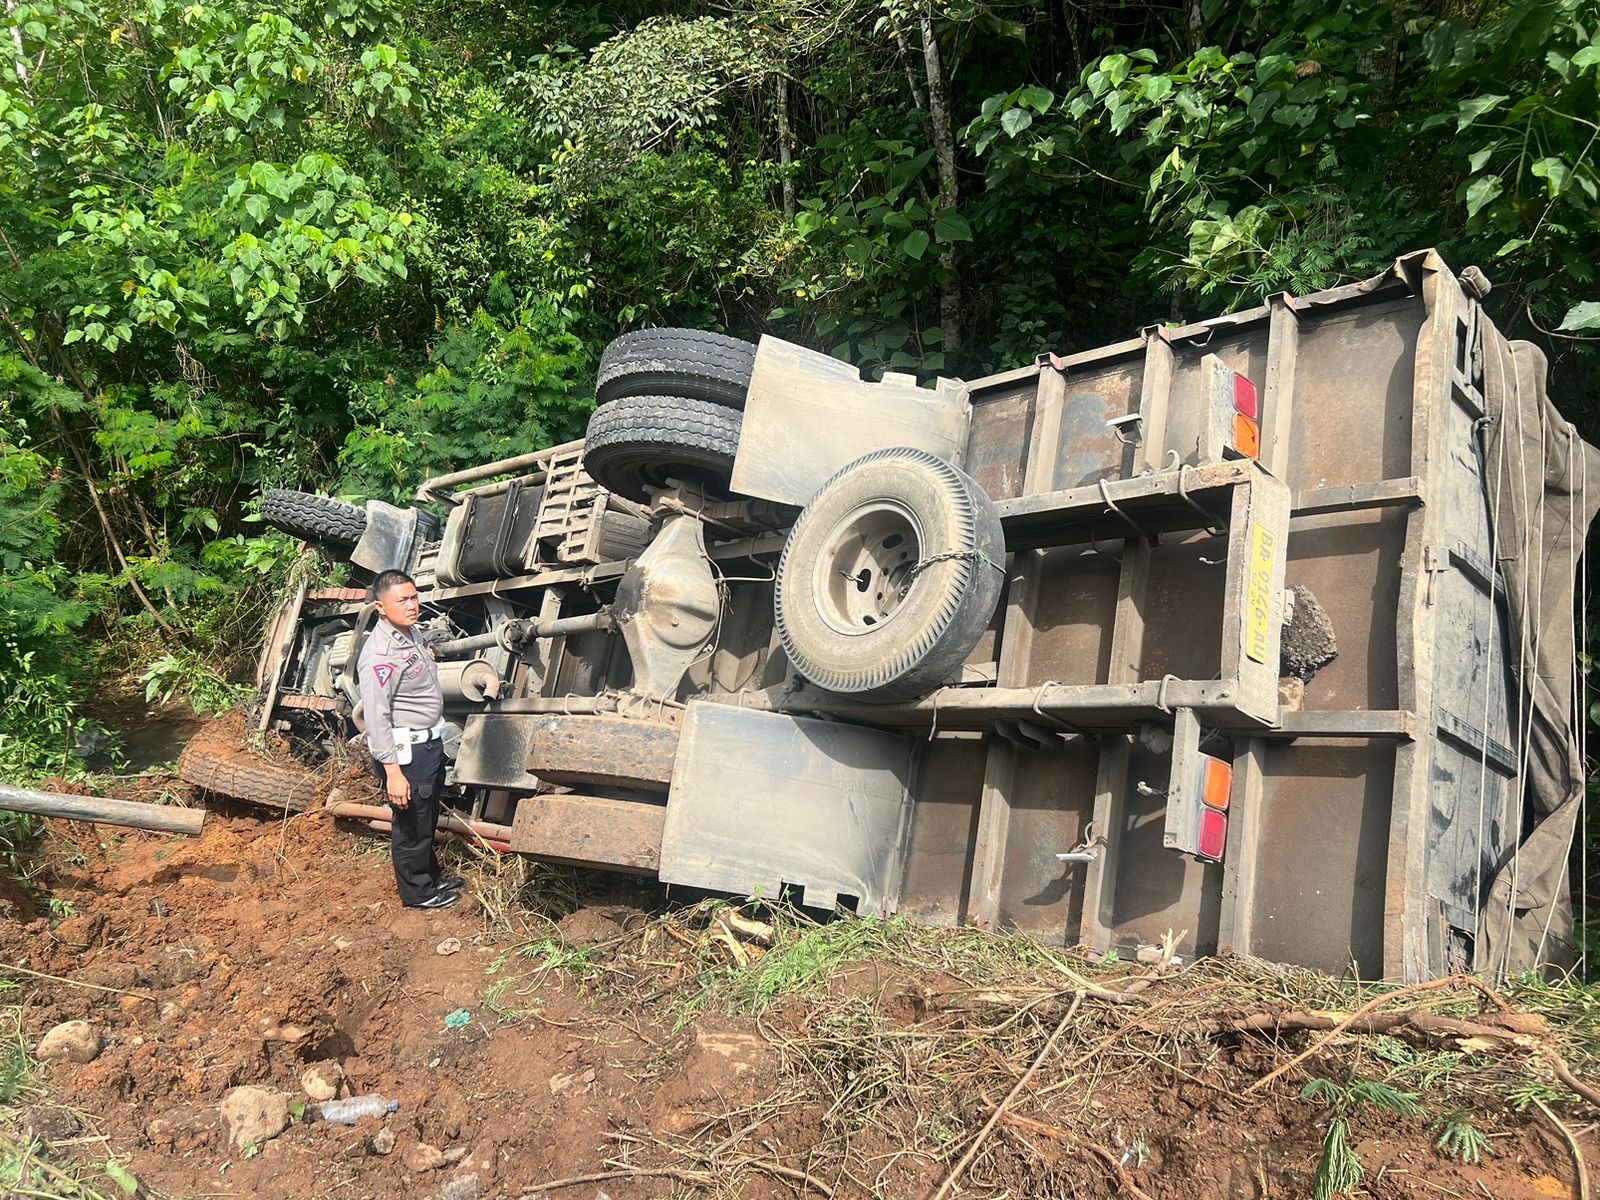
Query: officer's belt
(415,737)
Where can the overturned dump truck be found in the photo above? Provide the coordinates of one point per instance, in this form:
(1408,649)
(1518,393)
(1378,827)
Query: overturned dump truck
(1256,633)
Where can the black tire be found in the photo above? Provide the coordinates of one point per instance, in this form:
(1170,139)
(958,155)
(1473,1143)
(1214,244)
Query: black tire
(214,762)
(889,577)
(640,440)
(603,750)
(315,518)
(676,362)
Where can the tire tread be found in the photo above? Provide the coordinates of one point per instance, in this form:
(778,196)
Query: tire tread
(688,363)
(316,518)
(640,437)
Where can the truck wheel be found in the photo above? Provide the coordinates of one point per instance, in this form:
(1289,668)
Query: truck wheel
(640,440)
(889,577)
(603,750)
(676,362)
(315,518)
(213,764)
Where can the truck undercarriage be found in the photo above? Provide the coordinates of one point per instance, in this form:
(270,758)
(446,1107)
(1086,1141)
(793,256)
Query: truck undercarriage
(1255,633)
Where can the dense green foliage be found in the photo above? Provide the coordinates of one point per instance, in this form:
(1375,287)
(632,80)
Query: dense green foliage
(336,244)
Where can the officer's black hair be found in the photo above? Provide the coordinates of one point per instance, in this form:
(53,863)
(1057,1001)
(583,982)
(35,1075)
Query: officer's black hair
(387,581)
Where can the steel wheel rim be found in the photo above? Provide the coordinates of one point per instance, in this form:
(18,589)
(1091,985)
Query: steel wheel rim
(866,570)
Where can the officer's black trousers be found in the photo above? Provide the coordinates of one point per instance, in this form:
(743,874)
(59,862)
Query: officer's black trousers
(416,866)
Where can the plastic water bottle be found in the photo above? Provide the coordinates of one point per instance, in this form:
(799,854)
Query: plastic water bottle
(357,1108)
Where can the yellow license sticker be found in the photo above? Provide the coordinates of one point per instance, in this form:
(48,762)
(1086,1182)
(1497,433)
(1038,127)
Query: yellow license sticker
(1258,600)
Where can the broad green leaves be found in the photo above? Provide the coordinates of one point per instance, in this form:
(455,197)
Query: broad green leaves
(1582,316)
(305,231)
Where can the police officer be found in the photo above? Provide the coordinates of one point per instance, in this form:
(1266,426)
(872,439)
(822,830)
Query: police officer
(403,705)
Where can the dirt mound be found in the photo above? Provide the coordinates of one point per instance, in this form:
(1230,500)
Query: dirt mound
(648,1053)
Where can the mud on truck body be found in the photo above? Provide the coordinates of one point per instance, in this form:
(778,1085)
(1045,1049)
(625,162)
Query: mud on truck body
(1256,633)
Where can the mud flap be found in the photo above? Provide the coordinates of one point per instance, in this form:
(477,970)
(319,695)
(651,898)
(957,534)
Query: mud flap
(764,802)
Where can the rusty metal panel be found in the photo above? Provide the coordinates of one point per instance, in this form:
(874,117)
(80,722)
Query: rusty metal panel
(1183,609)
(1073,617)
(1324,831)
(948,777)
(590,663)
(997,446)
(1190,410)
(1159,892)
(1353,396)
(1052,799)
(589,831)
(1352,564)
(1090,450)
(763,800)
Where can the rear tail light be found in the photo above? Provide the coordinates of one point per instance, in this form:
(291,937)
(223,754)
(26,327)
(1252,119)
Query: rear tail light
(1216,782)
(1245,400)
(1213,835)
(1211,796)
(1197,806)
(1235,424)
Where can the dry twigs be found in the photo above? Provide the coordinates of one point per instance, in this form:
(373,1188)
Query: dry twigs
(1124,1180)
(555,1185)
(898,1048)
(1344,1024)
(994,1118)
(10,968)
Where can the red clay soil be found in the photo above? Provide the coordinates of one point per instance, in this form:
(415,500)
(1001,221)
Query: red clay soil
(241,956)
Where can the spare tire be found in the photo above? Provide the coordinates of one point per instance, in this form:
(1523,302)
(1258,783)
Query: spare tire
(676,362)
(315,518)
(644,440)
(889,577)
(603,750)
(213,762)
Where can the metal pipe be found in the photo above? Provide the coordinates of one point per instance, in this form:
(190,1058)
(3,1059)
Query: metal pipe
(517,633)
(473,680)
(430,487)
(588,623)
(442,835)
(468,645)
(130,813)
(472,830)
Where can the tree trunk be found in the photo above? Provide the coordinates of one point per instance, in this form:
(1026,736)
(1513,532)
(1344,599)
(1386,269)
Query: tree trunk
(944,151)
(911,79)
(113,543)
(785,147)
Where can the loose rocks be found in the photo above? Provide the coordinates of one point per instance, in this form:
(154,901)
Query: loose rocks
(72,1041)
(254,1114)
(423,1157)
(321,1080)
(464,1188)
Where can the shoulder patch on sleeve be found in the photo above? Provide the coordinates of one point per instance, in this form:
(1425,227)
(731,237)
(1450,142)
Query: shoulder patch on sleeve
(384,672)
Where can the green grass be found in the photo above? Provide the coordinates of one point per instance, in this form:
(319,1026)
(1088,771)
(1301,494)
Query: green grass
(1460,1138)
(29,1168)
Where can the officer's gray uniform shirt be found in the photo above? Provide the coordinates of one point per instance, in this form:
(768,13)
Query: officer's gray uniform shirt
(399,687)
